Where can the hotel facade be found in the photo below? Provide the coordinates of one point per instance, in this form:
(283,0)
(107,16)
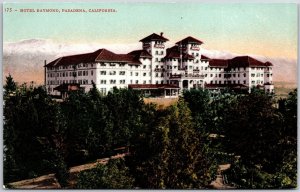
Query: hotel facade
(156,70)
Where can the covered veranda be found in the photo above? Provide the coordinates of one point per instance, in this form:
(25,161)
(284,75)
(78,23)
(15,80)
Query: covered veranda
(156,90)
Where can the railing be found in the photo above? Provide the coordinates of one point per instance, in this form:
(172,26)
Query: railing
(159,69)
(159,46)
(194,75)
(195,48)
(187,75)
(175,76)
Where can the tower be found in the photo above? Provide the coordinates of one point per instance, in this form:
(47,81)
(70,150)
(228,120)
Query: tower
(155,45)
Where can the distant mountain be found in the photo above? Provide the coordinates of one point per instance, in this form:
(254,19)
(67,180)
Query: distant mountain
(24,60)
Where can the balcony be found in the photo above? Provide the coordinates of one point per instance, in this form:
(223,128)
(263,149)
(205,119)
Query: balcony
(159,70)
(175,76)
(195,48)
(191,76)
(160,46)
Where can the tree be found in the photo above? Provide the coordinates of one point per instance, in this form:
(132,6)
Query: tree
(114,175)
(10,85)
(171,154)
(33,130)
(257,133)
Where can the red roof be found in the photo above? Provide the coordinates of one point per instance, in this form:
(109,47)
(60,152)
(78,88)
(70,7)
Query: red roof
(188,40)
(240,61)
(245,61)
(173,52)
(67,87)
(153,86)
(218,63)
(268,64)
(101,55)
(154,37)
(204,57)
(140,54)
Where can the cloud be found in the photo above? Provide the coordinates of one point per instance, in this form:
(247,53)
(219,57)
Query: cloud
(25,59)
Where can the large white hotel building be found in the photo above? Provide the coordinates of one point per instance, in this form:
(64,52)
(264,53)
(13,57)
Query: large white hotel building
(157,70)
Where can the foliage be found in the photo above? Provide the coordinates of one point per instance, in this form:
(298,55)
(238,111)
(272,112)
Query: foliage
(171,155)
(31,137)
(261,136)
(171,148)
(10,85)
(114,175)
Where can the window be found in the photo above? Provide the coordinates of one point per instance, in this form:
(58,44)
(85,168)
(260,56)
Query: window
(211,75)
(244,74)
(136,81)
(162,82)
(102,65)
(244,81)
(112,72)
(252,74)
(216,75)
(144,66)
(220,82)
(257,75)
(261,74)
(144,82)
(156,52)
(103,90)
(253,82)
(144,74)
(156,59)
(156,74)
(112,81)
(122,81)
(130,73)
(136,74)
(92,73)
(102,72)
(103,82)
(122,72)
(233,75)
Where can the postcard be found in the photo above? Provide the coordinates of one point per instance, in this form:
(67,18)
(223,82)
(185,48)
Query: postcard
(150,95)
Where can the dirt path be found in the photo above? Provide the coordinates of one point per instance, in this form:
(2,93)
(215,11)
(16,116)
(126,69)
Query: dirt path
(50,182)
(219,183)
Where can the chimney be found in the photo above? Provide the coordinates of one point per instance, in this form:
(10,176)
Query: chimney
(161,34)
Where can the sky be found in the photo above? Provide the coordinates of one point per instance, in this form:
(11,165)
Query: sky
(262,29)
